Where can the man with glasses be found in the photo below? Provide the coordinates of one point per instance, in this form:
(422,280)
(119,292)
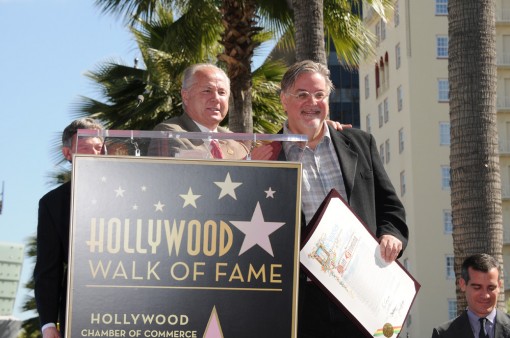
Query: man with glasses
(347,161)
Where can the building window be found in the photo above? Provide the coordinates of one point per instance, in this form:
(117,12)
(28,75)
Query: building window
(452,309)
(444,133)
(381,152)
(400,99)
(442,46)
(441,7)
(397,56)
(383,30)
(445,178)
(380,111)
(401,140)
(396,14)
(387,146)
(386,110)
(378,33)
(447,221)
(368,122)
(367,87)
(443,90)
(450,267)
(402,183)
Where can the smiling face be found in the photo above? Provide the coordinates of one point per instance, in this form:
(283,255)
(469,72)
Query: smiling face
(206,100)
(306,114)
(481,290)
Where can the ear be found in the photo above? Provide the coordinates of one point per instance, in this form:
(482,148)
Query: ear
(283,99)
(184,96)
(462,284)
(66,151)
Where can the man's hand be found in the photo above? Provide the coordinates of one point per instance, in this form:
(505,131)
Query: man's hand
(390,247)
(51,332)
(263,152)
(338,125)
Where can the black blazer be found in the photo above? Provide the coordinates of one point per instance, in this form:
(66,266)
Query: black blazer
(372,197)
(50,275)
(460,327)
(370,193)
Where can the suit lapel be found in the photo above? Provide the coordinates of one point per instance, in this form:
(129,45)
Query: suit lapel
(348,159)
(502,327)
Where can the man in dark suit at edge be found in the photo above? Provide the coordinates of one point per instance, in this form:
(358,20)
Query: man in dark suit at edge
(50,272)
(347,161)
(480,280)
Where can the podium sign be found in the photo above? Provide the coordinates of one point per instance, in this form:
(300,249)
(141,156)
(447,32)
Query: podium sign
(163,247)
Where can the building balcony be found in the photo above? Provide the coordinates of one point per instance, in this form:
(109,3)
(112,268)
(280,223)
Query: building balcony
(503,60)
(503,103)
(505,195)
(503,16)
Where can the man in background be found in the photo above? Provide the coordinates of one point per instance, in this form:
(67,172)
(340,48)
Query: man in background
(480,281)
(50,272)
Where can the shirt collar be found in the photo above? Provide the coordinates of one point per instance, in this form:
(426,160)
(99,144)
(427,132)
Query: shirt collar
(474,318)
(325,138)
(204,129)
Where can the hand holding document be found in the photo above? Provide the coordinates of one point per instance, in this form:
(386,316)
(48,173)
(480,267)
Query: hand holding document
(343,258)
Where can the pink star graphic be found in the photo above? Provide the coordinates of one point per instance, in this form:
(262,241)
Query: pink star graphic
(257,231)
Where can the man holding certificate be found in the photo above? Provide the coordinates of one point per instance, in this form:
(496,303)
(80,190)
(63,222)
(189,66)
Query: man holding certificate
(347,161)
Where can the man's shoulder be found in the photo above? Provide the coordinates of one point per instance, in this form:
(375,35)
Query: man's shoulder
(172,124)
(62,190)
(454,327)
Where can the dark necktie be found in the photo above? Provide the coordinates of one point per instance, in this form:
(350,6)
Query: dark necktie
(215,149)
(482,333)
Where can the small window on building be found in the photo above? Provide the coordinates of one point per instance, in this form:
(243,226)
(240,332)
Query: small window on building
(378,33)
(397,56)
(386,110)
(444,133)
(402,183)
(381,152)
(441,7)
(450,267)
(381,114)
(387,146)
(396,14)
(442,47)
(445,178)
(443,89)
(383,30)
(447,221)
(368,122)
(452,309)
(401,140)
(400,98)
(367,87)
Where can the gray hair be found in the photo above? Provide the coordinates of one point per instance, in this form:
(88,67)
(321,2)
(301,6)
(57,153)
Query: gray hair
(479,262)
(189,73)
(306,66)
(72,128)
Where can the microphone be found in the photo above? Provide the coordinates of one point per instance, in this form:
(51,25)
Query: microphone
(139,100)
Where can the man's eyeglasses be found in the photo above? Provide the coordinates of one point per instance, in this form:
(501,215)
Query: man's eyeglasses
(304,95)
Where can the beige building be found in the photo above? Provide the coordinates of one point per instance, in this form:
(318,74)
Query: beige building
(404,104)
(11,261)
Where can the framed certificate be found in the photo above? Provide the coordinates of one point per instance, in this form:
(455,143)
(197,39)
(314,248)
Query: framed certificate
(342,256)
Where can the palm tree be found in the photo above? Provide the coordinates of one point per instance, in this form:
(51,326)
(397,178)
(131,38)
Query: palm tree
(309,30)
(475,176)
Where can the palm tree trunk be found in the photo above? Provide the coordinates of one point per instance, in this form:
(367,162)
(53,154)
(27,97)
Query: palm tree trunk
(309,26)
(240,21)
(474,161)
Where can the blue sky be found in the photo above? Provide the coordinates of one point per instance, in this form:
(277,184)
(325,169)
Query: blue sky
(46,48)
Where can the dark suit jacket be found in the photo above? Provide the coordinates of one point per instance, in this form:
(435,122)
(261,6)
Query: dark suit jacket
(372,197)
(170,147)
(460,327)
(52,252)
